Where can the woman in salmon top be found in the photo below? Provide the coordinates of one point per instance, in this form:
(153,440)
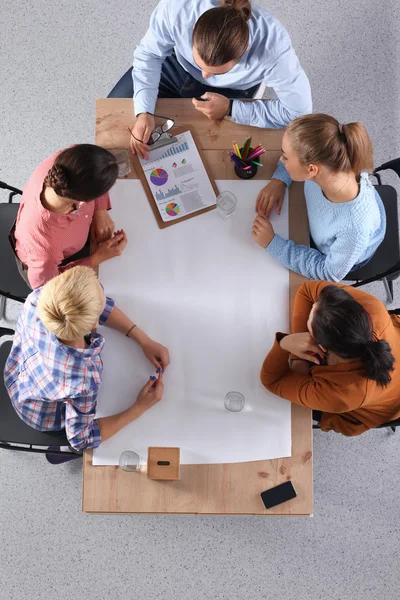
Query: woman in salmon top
(64,200)
(346,348)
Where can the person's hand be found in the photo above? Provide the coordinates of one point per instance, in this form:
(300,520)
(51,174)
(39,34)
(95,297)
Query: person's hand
(303,346)
(215,107)
(143,127)
(273,193)
(102,226)
(150,394)
(155,352)
(300,366)
(263,232)
(110,248)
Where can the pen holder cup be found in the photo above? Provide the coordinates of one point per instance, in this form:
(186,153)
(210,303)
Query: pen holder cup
(248,174)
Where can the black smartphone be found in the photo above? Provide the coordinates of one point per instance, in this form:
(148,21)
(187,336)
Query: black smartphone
(277,495)
(201,99)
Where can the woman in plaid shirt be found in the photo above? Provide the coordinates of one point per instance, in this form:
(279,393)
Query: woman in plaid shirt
(54,369)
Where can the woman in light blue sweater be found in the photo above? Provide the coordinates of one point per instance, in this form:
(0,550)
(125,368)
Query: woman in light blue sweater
(346,216)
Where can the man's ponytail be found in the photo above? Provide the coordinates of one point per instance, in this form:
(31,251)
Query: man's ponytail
(242,6)
(221,34)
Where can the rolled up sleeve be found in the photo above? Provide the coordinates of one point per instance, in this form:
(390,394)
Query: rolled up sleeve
(103,202)
(108,307)
(81,426)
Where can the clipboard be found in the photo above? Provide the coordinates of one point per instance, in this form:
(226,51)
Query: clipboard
(140,173)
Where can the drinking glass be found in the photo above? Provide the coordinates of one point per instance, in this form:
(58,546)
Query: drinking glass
(129,461)
(234,401)
(123,161)
(226,204)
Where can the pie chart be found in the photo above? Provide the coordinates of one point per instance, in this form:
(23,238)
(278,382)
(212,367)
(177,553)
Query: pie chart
(159,177)
(172,209)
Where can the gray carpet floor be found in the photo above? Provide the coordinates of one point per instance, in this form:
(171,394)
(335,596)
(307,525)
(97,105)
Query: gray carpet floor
(56,59)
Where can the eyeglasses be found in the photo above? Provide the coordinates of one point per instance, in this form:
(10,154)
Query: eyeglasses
(159,131)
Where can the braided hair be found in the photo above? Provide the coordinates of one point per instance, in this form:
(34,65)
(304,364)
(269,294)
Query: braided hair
(83,172)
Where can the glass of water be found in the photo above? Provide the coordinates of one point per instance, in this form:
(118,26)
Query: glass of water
(129,461)
(226,204)
(123,161)
(234,401)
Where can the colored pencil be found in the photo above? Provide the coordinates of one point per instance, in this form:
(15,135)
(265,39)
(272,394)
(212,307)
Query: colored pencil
(255,154)
(256,157)
(238,151)
(256,163)
(259,147)
(239,163)
(247,146)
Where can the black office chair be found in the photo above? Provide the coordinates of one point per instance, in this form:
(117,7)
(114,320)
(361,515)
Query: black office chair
(11,283)
(385,264)
(392,425)
(14,433)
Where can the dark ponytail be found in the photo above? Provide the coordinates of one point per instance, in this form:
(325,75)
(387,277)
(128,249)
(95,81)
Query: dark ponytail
(83,172)
(378,361)
(341,325)
(221,34)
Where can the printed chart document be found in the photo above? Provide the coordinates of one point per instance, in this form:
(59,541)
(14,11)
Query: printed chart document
(210,294)
(178,179)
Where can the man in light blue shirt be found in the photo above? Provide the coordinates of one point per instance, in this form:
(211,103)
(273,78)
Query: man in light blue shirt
(221,50)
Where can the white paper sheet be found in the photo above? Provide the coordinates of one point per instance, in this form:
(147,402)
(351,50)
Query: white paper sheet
(178,179)
(206,290)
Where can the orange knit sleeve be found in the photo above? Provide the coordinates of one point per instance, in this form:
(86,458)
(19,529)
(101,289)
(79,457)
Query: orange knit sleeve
(306,390)
(306,296)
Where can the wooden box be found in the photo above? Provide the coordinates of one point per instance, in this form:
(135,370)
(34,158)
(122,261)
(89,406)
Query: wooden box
(163,463)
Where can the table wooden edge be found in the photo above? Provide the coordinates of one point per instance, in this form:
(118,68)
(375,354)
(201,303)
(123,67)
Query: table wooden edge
(298,231)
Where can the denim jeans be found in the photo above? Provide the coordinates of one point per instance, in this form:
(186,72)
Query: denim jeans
(177,83)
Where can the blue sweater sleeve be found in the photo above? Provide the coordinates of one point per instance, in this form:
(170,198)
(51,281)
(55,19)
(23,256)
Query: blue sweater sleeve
(342,256)
(281,174)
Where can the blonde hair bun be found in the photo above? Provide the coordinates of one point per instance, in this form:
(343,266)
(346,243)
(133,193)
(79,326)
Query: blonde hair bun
(70,304)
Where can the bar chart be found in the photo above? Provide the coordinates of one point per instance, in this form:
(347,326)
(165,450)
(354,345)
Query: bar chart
(164,195)
(184,147)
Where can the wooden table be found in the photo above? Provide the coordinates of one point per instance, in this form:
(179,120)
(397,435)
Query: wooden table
(224,489)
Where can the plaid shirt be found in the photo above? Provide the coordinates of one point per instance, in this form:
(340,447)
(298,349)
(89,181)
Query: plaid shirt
(53,386)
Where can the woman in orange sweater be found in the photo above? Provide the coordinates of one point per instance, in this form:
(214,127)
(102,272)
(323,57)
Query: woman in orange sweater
(345,347)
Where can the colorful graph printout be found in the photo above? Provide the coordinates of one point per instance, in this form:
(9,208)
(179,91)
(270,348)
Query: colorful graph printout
(179,183)
(172,209)
(159,177)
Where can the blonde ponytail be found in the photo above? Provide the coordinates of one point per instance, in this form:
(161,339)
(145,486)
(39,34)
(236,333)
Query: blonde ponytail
(320,138)
(359,147)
